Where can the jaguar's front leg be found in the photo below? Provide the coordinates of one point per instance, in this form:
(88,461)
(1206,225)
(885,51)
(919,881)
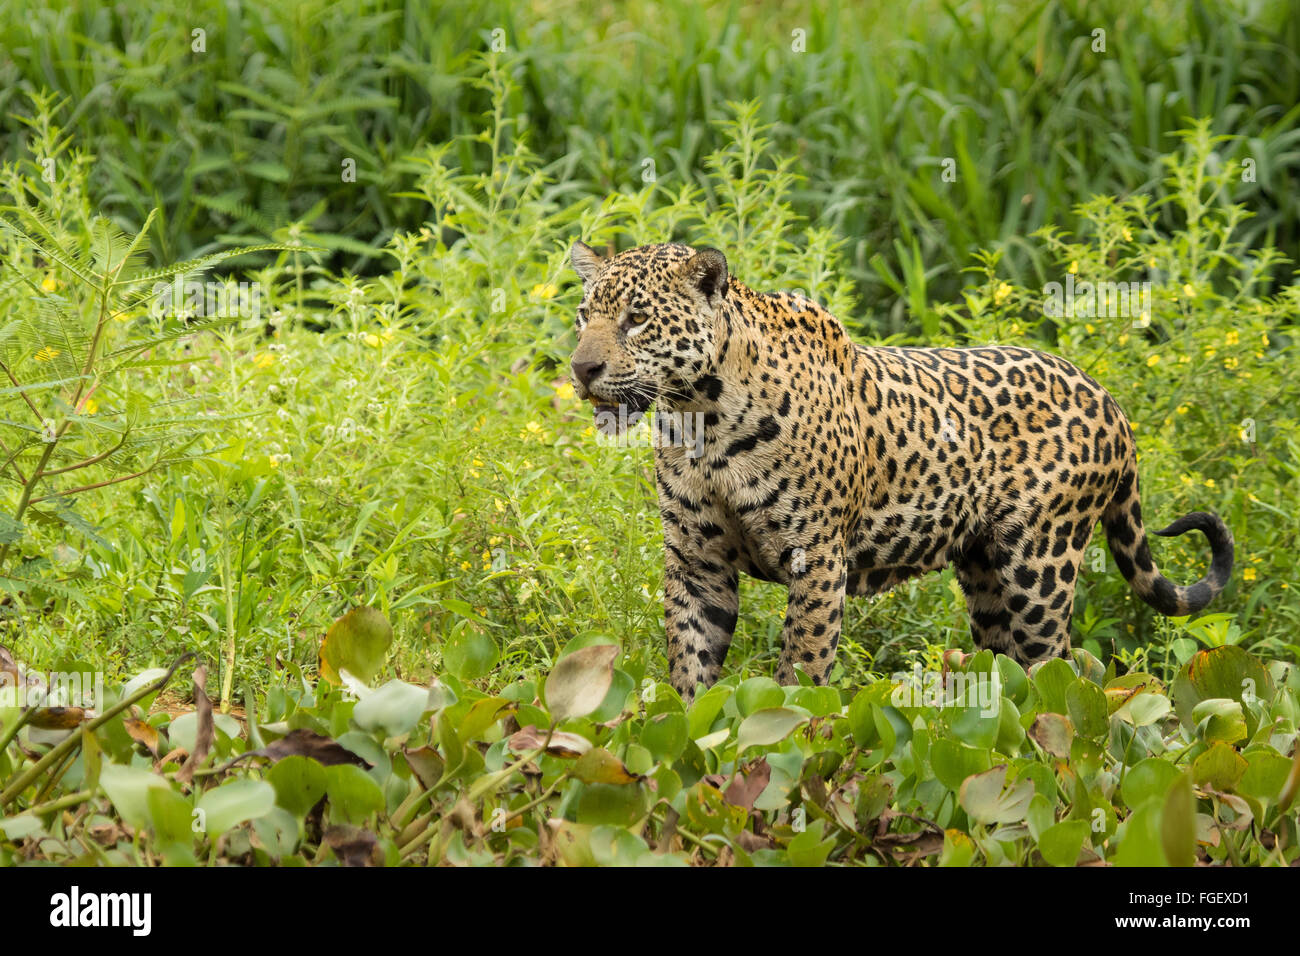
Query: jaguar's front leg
(701,598)
(813,616)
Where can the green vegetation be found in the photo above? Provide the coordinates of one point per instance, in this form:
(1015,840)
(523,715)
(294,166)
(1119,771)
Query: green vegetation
(235,482)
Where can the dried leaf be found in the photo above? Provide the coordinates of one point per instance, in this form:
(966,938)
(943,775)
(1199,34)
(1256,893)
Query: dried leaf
(143,734)
(307,743)
(207,729)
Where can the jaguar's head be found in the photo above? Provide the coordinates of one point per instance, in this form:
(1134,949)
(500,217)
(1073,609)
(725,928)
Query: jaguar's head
(646,327)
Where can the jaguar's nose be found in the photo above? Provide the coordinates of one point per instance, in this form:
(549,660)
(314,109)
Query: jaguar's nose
(586,372)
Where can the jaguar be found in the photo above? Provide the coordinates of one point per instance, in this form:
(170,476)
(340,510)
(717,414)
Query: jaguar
(836,469)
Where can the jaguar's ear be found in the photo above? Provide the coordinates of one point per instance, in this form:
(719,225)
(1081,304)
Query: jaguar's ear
(586,261)
(706,273)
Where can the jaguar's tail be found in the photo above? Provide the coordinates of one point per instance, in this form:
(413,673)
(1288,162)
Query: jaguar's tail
(1122,520)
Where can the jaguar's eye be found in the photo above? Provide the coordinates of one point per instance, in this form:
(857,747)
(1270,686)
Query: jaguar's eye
(581,319)
(635,322)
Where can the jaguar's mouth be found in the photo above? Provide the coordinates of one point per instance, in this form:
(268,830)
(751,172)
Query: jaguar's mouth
(616,418)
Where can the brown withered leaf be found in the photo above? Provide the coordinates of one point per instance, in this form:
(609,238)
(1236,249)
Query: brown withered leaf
(745,788)
(426,763)
(143,734)
(562,744)
(207,729)
(308,743)
(57,718)
(354,846)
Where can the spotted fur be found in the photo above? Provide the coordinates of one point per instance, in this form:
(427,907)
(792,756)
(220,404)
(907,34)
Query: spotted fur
(835,468)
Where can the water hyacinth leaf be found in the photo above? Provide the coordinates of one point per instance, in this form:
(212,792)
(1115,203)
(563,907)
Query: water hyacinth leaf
(612,804)
(1178,823)
(561,743)
(299,783)
(1061,842)
(953,761)
(598,765)
(353,795)
(705,709)
(1147,780)
(987,799)
(958,849)
(171,816)
(976,724)
(233,803)
(1265,776)
(1144,708)
(470,652)
(359,642)
(1053,733)
(758,693)
(579,682)
(664,735)
(1086,704)
(621,686)
(393,709)
(1140,843)
(1219,767)
(809,848)
(1050,680)
(768,726)
(128,790)
(1040,816)
(1230,672)
(1219,718)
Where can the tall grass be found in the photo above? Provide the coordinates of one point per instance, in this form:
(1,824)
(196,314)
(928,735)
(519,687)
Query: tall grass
(1016,100)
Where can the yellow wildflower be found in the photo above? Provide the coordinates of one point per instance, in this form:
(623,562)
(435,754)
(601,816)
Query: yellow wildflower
(264,360)
(544,290)
(1074,268)
(1232,338)
(564,391)
(1189,290)
(1128,234)
(1248,574)
(1002,292)
(1153,359)
(46,353)
(372,340)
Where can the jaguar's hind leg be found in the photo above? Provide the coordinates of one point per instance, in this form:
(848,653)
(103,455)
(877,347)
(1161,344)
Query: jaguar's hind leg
(977,568)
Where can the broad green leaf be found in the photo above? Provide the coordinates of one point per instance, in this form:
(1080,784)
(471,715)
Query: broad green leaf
(768,726)
(128,789)
(987,799)
(1061,842)
(393,709)
(233,803)
(353,794)
(359,642)
(299,783)
(1178,823)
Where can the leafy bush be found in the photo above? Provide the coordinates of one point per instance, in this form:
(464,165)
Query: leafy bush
(407,444)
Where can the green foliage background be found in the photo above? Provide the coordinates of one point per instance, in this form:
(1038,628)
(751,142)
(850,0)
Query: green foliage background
(394,429)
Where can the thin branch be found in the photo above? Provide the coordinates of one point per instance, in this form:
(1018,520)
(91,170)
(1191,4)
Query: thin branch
(35,410)
(82,464)
(98,484)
